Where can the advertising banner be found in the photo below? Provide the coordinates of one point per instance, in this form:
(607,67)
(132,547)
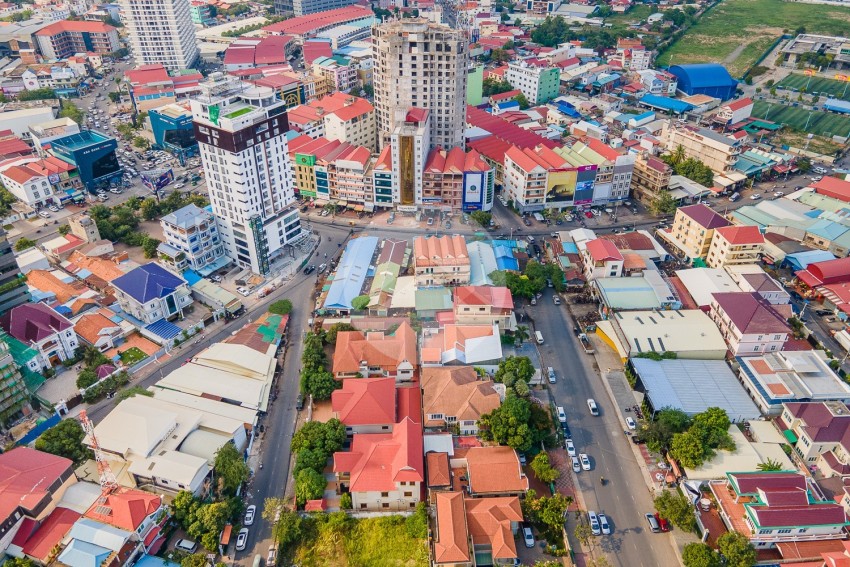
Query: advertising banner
(561,186)
(473,188)
(157,180)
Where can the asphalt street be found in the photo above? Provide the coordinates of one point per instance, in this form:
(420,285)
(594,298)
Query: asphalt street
(625,497)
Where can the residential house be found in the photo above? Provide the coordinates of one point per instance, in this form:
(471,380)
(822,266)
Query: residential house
(469,528)
(771,508)
(790,376)
(692,231)
(46,331)
(456,397)
(462,344)
(142,514)
(31,485)
(97,330)
(151,293)
(383,471)
(750,325)
(441,260)
(376,354)
(490,471)
(601,259)
(29,180)
(732,245)
(193,233)
(758,281)
(735,111)
(650,178)
(718,152)
(374,405)
(484,305)
(820,435)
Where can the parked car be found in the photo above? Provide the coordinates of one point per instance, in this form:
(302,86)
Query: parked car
(594,522)
(631,423)
(299,402)
(322,268)
(570,447)
(576,464)
(755,197)
(528,537)
(243,291)
(44,214)
(604,525)
(242,539)
(250,512)
(215,278)
(53,208)
(585,461)
(309,269)
(551,373)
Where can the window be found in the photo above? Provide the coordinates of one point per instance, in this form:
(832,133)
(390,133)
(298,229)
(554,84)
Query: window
(408,494)
(385,494)
(385,505)
(362,506)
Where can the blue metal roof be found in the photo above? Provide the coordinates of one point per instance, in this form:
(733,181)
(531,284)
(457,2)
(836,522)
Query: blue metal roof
(148,282)
(801,260)
(164,329)
(704,75)
(664,103)
(351,272)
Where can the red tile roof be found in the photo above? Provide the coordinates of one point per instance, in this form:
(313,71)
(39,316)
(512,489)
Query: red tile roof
(490,521)
(314,49)
(750,313)
(751,483)
(601,250)
(365,401)
(833,187)
(437,466)
(50,534)
(451,541)
(377,461)
(440,251)
(127,508)
(26,476)
(378,349)
(508,95)
(304,25)
(739,235)
(738,104)
(497,297)
(75,26)
(505,130)
(704,216)
(798,516)
(147,74)
(494,470)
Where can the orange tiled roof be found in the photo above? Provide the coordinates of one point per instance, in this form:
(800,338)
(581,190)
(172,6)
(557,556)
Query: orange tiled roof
(438,469)
(386,351)
(495,470)
(103,268)
(440,251)
(457,391)
(489,521)
(451,544)
(365,401)
(47,282)
(88,327)
(128,508)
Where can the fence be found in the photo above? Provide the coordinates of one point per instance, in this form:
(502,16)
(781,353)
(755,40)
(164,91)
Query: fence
(36,432)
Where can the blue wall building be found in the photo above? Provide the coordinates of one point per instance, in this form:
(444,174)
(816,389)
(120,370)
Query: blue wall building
(172,130)
(705,78)
(93,154)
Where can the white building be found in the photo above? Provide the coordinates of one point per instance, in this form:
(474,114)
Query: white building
(49,334)
(241,134)
(30,181)
(194,232)
(538,84)
(161,32)
(419,64)
(151,293)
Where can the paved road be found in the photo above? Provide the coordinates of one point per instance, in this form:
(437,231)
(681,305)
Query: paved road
(625,497)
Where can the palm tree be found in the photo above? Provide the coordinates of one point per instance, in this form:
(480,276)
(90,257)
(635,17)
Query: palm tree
(521,334)
(769,466)
(677,156)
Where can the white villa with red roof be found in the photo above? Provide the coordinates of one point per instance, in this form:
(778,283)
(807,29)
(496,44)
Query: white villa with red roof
(484,305)
(732,245)
(602,259)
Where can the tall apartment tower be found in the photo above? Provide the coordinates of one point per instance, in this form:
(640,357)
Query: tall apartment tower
(13,289)
(420,64)
(161,32)
(241,130)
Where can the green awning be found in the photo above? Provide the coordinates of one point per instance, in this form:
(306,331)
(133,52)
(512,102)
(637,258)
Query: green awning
(790,436)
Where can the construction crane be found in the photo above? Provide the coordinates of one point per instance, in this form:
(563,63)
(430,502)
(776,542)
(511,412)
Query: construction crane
(108,482)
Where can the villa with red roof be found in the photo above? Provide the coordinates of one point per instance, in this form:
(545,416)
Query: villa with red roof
(376,354)
(602,259)
(337,116)
(484,305)
(28,180)
(135,511)
(693,228)
(383,471)
(776,507)
(40,327)
(374,405)
(750,325)
(737,244)
(822,432)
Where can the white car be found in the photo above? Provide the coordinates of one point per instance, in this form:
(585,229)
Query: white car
(571,448)
(179,186)
(585,462)
(576,464)
(242,539)
(631,423)
(243,291)
(44,214)
(604,525)
(528,537)
(250,512)
(53,208)
(594,522)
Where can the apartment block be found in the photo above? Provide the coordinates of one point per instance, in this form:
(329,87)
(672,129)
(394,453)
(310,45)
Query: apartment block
(733,245)
(538,84)
(715,150)
(650,178)
(161,32)
(192,232)
(66,38)
(693,228)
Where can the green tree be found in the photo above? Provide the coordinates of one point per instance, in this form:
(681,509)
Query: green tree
(663,204)
(514,368)
(281,307)
(688,449)
(231,468)
(769,465)
(584,534)
(712,428)
(149,246)
(141,143)
(544,471)
(150,209)
(328,436)
(37,94)
(523,101)
(65,439)
(417,523)
(481,217)
(345,501)
(551,32)
(677,156)
(499,55)
(318,383)
(495,85)
(24,243)
(700,555)
(659,432)
(677,509)
(331,334)
(509,424)
(737,550)
(521,334)
(288,526)
(114,97)
(360,302)
(86,378)
(70,110)
(315,459)
(194,560)
(19,562)
(804,164)
(309,485)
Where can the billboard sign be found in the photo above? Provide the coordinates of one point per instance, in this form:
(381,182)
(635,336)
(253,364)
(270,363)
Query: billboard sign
(473,188)
(561,185)
(53,178)
(585,181)
(157,180)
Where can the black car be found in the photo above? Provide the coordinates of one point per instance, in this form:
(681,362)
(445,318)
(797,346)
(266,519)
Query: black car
(309,269)
(299,402)
(566,429)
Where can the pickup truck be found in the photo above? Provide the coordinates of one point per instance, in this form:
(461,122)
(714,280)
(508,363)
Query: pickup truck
(585,343)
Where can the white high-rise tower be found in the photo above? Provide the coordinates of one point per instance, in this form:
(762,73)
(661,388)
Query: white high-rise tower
(161,32)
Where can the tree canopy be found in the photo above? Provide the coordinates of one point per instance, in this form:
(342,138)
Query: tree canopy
(677,509)
(230,468)
(700,555)
(737,550)
(65,439)
(309,485)
(708,431)
(281,307)
(517,423)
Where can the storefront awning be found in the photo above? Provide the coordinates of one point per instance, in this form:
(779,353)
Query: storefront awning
(358,208)
(790,436)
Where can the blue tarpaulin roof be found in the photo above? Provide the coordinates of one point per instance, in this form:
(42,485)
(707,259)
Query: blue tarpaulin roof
(351,272)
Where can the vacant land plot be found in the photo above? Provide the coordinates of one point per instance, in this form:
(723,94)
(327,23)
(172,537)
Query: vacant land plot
(821,123)
(736,32)
(816,85)
(636,15)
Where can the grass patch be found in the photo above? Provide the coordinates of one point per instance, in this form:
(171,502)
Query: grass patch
(815,85)
(797,139)
(821,123)
(753,24)
(335,540)
(636,15)
(240,112)
(132,355)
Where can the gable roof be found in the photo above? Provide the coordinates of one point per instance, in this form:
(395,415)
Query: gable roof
(125,509)
(739,235)
(456,391)
(148,282)
(489,521)
(704,216)
(751,313)
(89,327)
(50,533)
(377,461)
(494,296)
(494,469)
(33,322)
(365,401)
(440,251)
(438,469)
(26,476)
(451,544)
(748,484)
(45,281)
(386,351)
(602,250)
